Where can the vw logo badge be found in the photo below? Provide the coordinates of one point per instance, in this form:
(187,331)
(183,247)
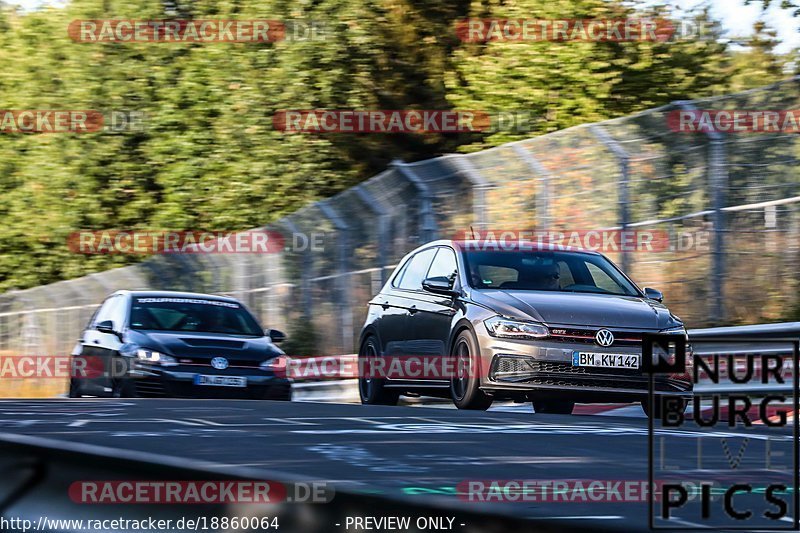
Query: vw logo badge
(604,337)
(220,363)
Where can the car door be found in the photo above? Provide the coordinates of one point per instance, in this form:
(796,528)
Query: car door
(98,347)
(431,315)
(398,302)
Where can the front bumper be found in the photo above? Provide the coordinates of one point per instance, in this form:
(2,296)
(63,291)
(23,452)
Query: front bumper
(178,381)
(545,367)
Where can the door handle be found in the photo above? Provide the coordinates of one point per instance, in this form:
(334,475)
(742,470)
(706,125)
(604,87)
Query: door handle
(413,309)
(96,341)
(385,305)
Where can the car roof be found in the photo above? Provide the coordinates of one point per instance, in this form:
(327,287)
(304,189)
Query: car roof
(177,294)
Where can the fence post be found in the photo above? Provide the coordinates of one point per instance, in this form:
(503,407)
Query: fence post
(306,265)
(382,214)
(343,291)
(543,198)
(428,229)
(623,159)
(718,183)
(480,185)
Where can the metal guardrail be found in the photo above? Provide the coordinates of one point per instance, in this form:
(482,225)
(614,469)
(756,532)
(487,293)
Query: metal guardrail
(744,342)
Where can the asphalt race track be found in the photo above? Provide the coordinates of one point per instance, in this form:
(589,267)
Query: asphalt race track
(393,451)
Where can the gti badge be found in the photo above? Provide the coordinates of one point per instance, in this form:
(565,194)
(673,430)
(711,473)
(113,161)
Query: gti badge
(220,363)
(604,337)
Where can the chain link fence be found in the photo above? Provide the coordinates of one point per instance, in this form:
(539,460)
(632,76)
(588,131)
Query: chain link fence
(740,191)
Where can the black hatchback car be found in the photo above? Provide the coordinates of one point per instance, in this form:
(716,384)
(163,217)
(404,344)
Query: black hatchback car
(551,326)
(146,344)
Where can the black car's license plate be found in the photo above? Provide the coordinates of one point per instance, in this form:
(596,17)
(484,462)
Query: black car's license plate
(220,381)
(605,360)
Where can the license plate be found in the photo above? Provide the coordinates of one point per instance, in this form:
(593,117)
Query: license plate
(220,381)
(606,360)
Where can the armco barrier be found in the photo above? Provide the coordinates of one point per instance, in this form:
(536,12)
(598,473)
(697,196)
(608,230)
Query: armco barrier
(37,474)
(743,341)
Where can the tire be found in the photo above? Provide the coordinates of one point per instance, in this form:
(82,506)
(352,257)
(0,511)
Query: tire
(74,389)
(555,407)
(465,391)
(372,390)
(657,402)
(123,388)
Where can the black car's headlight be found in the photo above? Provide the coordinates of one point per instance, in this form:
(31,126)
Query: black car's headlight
(146,355)
(677,330)
(276,364)
(506,328)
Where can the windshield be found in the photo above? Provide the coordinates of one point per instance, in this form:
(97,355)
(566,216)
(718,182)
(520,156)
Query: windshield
(192,314)
(546,271)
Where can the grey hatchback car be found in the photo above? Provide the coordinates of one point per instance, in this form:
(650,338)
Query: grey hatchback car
(550,326)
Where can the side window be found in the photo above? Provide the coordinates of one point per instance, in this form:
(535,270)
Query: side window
(444,264)
(417,269)
(565,275)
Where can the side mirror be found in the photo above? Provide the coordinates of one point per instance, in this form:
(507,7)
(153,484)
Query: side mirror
(106,326)
(653,294)
(275,335)
(439,285)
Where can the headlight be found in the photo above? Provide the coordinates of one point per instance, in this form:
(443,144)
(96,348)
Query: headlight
(156,358)
(279,365)
(515,329)
(676,330)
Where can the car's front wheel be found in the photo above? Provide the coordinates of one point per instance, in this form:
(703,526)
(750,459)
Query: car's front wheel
(465,384)
(371,388)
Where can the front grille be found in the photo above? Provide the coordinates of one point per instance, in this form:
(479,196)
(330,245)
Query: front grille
(586,336)
(503,365)
(205,361)
(567,368)
(588,382)
(148,388)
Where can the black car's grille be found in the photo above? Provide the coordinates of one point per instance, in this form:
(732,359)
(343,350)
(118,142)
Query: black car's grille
(205,361)
(586,336)
(149,388)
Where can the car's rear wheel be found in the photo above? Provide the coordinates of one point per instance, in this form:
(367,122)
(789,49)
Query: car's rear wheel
(556,407)
(372,389)
(465,384)
(657,405)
